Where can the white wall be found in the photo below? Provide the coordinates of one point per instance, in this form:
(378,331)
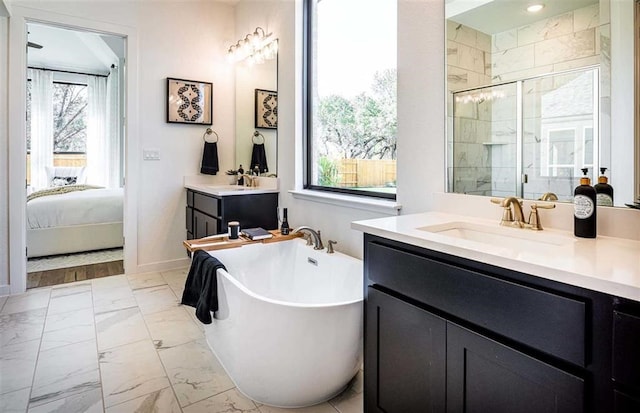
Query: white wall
(5,10)
(195,51)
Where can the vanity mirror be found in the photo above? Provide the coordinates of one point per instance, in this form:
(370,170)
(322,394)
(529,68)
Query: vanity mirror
(249,78)
(530,97)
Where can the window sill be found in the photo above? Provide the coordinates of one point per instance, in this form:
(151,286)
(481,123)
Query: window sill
(349,201)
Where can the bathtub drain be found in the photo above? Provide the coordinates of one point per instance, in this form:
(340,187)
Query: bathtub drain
(312,261)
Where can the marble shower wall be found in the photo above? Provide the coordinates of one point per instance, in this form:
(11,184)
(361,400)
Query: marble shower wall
(468,66)
(568,41)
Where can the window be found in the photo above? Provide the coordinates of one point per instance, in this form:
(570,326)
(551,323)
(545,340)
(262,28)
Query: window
(351,100)
(69,125)
(69,117)
(588,147)
(561,154)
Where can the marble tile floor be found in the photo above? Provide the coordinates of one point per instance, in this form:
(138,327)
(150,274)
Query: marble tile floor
(120,344)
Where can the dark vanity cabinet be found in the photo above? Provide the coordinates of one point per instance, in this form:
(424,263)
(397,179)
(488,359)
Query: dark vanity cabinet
(208,214)
(447,334)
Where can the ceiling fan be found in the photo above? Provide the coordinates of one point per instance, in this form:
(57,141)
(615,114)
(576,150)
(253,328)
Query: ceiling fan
(33,44)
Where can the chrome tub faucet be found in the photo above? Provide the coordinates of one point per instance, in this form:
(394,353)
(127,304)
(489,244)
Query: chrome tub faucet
(317,239)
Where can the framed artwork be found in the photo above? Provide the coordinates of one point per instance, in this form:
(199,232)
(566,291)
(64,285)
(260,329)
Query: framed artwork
(188,101)
(266,109)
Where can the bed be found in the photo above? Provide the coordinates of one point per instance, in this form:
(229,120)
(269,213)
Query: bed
(74,219)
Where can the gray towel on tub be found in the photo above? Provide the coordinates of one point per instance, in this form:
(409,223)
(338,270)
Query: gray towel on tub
(201,287)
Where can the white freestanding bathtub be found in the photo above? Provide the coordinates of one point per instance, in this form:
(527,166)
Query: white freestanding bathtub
(289,326)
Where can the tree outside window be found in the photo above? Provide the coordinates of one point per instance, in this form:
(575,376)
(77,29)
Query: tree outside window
(69,117)
(352,98)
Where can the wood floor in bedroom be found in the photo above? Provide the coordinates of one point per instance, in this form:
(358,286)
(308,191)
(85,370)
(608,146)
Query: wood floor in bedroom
(72,274)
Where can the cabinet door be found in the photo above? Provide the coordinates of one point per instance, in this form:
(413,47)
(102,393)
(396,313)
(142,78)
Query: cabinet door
(204,225)
(189,222)
(625,404)
(404,357)
(626,358)
(486,376)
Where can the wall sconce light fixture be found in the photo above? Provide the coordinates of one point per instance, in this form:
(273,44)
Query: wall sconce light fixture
(480,97)
(255,47)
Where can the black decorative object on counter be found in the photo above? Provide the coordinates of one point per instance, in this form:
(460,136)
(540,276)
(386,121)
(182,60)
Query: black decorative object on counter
(284,228)
(584,208)
(604,191)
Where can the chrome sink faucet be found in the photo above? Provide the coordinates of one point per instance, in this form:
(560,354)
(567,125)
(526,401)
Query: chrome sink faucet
(317,239)
(516,217)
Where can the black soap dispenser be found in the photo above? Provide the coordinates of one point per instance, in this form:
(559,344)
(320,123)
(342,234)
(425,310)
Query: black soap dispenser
(584,208)
(240,177)
(604,191)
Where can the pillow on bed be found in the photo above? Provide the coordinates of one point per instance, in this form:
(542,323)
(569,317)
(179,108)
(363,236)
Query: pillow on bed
(72,174)
(64,180)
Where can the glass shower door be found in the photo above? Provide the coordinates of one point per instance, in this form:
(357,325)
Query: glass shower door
(560,132)
(483,145)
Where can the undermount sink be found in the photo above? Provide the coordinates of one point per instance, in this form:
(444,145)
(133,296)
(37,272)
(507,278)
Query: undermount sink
(500,236)
(228,187)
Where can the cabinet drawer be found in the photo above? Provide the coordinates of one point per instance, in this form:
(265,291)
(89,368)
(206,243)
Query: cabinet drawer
(626,346)
(548,322)
(207,204)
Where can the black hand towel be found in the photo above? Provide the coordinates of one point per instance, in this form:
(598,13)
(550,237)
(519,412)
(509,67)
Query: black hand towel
(210,159)
(259,157)
(201,287)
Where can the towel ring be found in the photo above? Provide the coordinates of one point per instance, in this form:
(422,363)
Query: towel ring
(209,131)
(257,134)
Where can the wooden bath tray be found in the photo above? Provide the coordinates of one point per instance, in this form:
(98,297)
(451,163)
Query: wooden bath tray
(222,241)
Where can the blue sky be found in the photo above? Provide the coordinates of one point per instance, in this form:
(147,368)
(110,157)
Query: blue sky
(356,39)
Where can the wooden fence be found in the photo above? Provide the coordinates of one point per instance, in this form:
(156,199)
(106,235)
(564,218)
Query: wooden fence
(366,173)
(60,159)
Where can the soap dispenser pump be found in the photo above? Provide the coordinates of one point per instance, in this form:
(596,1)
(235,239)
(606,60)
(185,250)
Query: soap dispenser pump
(584,208)
(604,191)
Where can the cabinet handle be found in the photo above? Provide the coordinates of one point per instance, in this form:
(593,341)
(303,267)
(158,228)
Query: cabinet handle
(195,226)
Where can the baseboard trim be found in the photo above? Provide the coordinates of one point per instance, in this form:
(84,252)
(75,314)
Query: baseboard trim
(5,289)
(161,266)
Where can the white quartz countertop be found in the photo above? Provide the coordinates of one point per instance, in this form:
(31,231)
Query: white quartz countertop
(606,264)
(226,190)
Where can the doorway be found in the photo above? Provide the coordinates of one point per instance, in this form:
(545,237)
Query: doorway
(74,158)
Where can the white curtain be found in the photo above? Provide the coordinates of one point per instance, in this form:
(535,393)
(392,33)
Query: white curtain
(97,166)
(41,126)
(103,130)
(113,148)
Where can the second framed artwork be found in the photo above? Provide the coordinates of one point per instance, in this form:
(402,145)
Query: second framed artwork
(189,101)
(266,112)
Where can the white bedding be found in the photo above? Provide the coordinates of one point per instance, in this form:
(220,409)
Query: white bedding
(76,208)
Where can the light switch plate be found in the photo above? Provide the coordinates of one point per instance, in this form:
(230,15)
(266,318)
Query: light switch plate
(151,154)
